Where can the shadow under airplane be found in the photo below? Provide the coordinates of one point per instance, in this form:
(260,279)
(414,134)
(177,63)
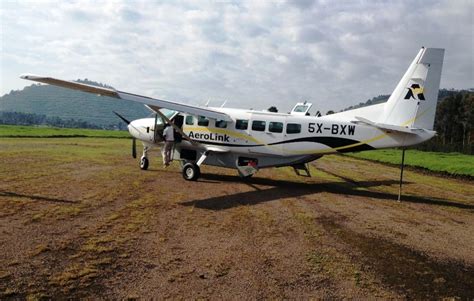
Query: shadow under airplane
(280,189)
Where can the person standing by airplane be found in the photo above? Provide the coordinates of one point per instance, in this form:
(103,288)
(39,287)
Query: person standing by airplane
(168,135)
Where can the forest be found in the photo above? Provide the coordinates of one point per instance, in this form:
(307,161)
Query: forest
(18,118)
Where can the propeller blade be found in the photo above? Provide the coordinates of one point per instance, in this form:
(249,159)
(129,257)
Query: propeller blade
(134,148)
(121,117)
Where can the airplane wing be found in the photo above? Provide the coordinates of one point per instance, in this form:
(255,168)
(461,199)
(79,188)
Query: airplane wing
(152,102)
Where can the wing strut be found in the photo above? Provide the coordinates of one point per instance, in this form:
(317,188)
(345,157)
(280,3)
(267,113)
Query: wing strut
(158,112)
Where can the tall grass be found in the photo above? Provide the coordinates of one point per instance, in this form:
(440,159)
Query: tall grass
(451,163)
(51,132)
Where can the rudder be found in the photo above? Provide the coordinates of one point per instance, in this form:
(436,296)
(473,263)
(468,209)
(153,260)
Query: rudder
(413,102)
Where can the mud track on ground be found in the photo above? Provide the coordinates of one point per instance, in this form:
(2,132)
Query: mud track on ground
(79,219)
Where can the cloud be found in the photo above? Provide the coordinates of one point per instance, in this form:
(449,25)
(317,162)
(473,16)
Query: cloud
(252,54)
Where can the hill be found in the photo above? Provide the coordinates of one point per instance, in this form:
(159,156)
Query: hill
(67,104)
(443,93)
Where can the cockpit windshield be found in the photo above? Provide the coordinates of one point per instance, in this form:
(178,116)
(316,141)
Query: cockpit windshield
(168,113)
(300,109)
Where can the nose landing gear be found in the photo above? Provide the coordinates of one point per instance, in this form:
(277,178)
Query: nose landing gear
(144,162)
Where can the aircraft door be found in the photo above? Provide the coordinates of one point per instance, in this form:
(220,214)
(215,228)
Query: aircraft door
(292,132)
(275,133)
(158,129)
(178,121)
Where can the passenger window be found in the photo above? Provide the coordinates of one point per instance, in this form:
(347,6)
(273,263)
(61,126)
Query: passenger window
(221,124)
(189,120)
(241,124)
(293,128)
(275,127)
(203,121)
(258,125)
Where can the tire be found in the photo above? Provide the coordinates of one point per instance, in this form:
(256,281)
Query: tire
(144,163)
(191,172)
(182,164)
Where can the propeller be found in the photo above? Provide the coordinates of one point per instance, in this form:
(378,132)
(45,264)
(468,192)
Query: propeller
(134,141)
(121,117)
(134,148)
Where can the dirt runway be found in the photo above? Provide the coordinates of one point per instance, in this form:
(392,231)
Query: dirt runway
(78,218)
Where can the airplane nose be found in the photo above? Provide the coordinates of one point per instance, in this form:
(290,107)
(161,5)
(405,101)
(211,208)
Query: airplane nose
(133,130)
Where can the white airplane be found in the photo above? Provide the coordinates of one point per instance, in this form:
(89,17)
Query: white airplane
(248,140)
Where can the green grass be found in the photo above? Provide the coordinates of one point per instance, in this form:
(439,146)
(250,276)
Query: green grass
(451,163)
(50,132)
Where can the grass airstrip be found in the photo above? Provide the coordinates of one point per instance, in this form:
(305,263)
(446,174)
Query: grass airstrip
(80,220)
(447,163)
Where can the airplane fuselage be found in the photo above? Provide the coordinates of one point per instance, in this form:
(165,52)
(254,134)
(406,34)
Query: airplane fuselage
(273,134)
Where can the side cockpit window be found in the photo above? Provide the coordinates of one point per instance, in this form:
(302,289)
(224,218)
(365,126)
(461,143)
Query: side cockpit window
(189,120)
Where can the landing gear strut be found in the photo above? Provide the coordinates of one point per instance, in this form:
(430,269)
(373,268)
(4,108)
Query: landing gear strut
(144,162)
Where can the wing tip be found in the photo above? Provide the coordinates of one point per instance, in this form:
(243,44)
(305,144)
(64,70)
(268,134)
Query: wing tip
(30,76)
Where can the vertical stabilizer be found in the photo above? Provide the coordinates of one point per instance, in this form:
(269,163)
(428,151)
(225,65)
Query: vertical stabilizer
(413,102)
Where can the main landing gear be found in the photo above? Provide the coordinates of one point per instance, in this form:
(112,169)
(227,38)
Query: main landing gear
(191,171)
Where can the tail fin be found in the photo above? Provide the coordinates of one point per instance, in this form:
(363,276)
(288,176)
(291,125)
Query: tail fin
(413,102)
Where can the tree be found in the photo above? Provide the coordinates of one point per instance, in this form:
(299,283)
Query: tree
(273,109)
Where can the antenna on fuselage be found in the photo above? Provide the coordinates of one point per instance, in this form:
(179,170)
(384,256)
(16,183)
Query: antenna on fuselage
(223,104)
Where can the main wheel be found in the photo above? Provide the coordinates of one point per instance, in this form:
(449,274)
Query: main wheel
(191,172)
(247,176)
(144,163)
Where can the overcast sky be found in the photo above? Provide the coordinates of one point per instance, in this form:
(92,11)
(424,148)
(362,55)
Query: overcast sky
(252,54)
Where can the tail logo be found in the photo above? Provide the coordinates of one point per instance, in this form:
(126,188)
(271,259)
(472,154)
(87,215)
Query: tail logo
(415,89)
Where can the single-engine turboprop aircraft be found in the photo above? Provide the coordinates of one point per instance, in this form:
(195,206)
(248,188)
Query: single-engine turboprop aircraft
(248,140)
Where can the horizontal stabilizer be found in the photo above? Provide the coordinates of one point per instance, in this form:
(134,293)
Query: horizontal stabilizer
(389,127)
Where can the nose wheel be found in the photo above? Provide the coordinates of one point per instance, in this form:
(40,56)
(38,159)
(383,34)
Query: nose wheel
(144,163)
(191,171)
